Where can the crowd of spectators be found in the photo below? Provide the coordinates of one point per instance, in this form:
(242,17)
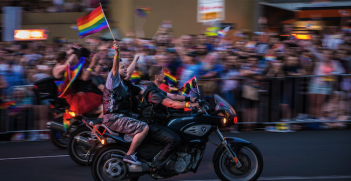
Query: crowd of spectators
(257,74)
(52,6)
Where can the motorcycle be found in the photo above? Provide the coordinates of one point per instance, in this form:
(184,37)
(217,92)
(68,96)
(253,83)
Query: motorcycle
(46,89)
(234,158)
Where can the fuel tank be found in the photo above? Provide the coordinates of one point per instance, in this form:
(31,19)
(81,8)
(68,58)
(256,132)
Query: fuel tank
(195,127)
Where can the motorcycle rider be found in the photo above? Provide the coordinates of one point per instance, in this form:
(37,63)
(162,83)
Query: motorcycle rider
(117,105)
(83,90)
(154,112)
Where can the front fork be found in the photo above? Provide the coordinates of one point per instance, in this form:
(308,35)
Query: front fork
(229,148)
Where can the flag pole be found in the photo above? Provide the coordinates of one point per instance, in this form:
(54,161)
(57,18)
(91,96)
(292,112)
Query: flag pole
(107,22)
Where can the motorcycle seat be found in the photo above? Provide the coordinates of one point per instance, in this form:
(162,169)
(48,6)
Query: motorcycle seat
(93,121)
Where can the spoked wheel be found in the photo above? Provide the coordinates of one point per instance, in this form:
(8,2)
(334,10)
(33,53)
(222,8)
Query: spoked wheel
(251,160)
(78,151)
(58,139)
(108,165)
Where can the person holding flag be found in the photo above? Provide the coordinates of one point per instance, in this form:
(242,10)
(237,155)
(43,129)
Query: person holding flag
(154,112)
(118,103)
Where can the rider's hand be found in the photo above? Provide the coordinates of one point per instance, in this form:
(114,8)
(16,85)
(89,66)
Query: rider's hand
(193,100)
(116,46)
(195,105)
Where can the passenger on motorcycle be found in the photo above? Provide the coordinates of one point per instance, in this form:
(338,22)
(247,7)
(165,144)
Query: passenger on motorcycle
(154,112)
(118,103)
(85,96)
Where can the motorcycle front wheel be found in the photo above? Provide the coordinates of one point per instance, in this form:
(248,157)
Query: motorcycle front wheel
(250,158)
(108,164)
(58,139)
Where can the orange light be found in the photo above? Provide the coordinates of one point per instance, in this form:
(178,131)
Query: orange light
(103,141)
(302,37)
(236,160)
(224,120)
(31,34)
(72,114)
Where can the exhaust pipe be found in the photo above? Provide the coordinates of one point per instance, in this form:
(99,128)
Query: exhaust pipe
(58,127)
(84,141)
(138,168)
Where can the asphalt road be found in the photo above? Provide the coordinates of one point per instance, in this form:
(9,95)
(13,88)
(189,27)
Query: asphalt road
(305,155)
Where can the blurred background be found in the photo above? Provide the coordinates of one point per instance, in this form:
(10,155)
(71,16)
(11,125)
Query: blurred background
(284,65)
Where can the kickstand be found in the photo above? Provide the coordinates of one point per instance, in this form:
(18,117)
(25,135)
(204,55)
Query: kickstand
(90,151)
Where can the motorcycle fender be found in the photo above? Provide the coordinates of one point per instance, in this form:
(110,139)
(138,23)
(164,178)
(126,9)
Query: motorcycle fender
(236,142)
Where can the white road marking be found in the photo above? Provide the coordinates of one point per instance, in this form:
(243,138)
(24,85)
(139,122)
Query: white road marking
(292,178)
(35,157)
(306,178)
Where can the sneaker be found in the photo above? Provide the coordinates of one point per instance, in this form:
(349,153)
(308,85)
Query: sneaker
(132,159)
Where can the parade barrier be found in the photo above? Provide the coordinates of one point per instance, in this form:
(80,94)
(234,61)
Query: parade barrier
(276,96)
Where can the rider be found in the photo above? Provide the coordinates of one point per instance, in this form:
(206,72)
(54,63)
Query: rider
(83,91)
(118,104)
(154,112)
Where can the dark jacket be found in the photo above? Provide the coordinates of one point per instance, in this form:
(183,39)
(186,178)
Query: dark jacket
(121,101)
(152,111)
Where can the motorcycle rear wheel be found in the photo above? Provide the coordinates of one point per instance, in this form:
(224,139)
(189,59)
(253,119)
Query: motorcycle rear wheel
(78,152)
(103,159)
(251,160)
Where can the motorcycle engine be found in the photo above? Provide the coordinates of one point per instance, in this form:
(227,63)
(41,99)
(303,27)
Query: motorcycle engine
(182,163)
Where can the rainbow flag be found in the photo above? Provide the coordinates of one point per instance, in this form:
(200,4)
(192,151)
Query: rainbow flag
(279,47)
(169,78)
(250,44)
(185,90)
(305,58)
(135,78)
(346,29)
(6,105)
(143,12)
(270,57)
(70,76)
(92,23)
(223,33)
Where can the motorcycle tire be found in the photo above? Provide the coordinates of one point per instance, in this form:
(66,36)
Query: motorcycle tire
(253,149)
(72,149)
(104,151)
(56,141)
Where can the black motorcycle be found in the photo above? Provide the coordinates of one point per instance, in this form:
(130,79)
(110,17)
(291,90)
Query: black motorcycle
(46,89)
(234,158)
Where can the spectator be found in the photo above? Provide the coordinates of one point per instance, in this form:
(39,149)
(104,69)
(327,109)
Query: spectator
(230,73)
(291,68)
(253,73)
(189,69)
(335,110)
(320,87)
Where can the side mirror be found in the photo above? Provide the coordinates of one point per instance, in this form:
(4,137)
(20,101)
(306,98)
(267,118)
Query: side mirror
(194,83)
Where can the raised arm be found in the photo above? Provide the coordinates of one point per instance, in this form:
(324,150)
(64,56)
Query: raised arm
(58,70)
(115,65)
(131,67)
(88,71)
